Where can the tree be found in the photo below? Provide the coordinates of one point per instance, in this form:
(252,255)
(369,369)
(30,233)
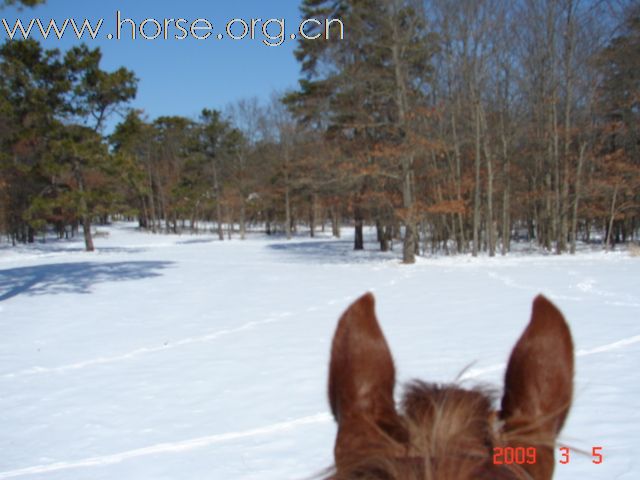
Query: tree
(529,128)
(242,143)
(370,86)
(97,94)
(45,98)
(33,83)
(618,161)
(213,132)
(25,3)
(132,147)
(619,89)
(77,152)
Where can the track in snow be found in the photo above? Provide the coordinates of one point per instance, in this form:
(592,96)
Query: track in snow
(201,442)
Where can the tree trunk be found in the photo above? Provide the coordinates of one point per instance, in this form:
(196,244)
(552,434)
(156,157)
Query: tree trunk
(409,242)
(358,242)
(243,220)
(216,198)
(476,198)
(383,236)
(229,222)
(506,174)
(86,226)
(491,240)
(83,208)
(461,240)
(545,237)
(506,203)
(312,215)
(568,53)
(153,212)
(557,180)
(491,237)
(287,199)
(612,216)
(409,245)
(576,200)
(335,222)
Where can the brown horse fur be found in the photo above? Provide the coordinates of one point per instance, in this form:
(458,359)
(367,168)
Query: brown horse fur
(445,432)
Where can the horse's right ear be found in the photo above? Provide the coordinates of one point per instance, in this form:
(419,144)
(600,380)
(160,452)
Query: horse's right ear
(539,384)
(361,381)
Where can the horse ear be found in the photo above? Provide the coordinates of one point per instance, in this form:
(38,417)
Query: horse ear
(361,382)
(539,381)
(361,372)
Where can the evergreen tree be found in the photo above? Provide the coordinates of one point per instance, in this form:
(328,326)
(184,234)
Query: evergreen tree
(33,84)
(45,99)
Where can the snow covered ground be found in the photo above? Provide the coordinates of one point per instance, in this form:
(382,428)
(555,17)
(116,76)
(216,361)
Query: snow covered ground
(180,357)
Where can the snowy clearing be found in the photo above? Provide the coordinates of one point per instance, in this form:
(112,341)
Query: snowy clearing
(181,357)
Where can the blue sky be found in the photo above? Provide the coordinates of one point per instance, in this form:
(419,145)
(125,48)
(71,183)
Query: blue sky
(182,77)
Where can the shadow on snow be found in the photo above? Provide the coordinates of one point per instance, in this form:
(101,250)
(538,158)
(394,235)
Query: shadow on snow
(79,277)
(62,246)
(332,252)
(197,241)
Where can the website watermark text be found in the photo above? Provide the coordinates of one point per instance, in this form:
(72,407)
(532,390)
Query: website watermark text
(272,31)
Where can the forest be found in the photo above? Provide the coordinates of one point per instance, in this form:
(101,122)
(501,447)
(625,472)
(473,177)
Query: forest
(449,126)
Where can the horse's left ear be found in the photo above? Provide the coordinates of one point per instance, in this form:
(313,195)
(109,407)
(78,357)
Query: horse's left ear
(361,381)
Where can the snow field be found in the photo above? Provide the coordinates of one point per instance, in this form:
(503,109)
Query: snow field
(187,358)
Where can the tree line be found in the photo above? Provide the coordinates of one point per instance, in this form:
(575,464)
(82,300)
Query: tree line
(453,126)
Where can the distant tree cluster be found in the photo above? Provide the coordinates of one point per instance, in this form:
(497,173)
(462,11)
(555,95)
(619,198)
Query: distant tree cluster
(450,125)
(469,122)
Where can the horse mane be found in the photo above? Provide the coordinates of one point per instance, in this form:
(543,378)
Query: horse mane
(452,432)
